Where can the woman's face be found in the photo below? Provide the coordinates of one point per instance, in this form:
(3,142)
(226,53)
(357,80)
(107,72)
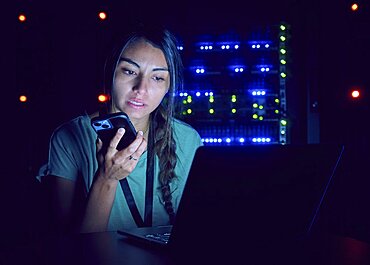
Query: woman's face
(141,81)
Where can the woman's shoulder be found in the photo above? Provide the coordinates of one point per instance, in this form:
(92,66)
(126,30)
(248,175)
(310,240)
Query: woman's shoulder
(183,127)
(185,133)
(76,125)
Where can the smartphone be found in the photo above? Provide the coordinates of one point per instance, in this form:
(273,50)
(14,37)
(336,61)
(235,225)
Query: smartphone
(106,127)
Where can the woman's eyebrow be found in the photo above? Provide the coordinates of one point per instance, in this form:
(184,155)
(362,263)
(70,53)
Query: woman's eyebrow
(138,66)
(128,61)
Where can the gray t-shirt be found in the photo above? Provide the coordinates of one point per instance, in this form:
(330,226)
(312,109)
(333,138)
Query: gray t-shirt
(72,155)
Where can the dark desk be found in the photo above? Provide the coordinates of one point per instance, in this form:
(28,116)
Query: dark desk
(109,248)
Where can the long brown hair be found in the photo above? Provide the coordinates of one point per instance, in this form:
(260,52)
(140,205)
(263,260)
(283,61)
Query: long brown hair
(161,135)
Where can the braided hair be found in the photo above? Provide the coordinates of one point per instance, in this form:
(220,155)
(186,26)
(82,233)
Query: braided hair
(161,136)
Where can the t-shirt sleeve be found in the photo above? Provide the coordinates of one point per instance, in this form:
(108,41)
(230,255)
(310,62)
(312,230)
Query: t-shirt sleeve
(61,160)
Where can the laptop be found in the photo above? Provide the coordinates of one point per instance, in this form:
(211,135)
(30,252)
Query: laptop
(260,195)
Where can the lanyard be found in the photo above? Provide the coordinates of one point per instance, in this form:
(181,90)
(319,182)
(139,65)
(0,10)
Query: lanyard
(148,192)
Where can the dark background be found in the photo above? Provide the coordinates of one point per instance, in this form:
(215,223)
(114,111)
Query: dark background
(57,58)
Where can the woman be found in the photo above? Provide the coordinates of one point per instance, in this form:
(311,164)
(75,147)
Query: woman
(94,190)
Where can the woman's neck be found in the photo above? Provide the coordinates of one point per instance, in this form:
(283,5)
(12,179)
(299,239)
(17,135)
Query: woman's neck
(142,126)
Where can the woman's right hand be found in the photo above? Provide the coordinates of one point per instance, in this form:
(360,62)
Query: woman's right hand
(114,164)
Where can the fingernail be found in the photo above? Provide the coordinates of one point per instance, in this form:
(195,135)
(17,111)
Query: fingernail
(121,130)
(141,133)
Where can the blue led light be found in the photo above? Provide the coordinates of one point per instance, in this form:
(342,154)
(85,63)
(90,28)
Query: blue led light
(261,140)
(260,44)
(235,140)
(265,69)
(258,92)
(183,94)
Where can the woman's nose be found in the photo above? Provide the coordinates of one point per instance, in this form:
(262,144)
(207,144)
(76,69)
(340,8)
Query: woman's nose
(140,85)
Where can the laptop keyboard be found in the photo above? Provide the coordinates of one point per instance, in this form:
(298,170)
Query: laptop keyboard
(161,237)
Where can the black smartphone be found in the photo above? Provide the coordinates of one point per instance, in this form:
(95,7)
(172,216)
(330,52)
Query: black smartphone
(106,127)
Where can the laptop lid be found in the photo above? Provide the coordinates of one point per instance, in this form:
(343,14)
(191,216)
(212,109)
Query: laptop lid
(257,195)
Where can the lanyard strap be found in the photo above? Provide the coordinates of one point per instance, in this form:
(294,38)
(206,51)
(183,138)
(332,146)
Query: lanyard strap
(148,192)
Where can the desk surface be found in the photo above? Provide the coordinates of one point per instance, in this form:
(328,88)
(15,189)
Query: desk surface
(109,248)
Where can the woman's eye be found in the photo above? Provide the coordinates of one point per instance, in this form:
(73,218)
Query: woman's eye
(128,71)
(158,79)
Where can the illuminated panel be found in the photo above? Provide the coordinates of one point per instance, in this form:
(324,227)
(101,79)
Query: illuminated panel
(234,91)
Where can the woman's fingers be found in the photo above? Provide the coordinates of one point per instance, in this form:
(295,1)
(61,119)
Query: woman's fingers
(140,149)
(136,143)
(112,148)
(130,153)
(119,164)
(99,149)
(99,145)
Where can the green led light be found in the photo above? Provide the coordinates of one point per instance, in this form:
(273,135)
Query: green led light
(282,38)
(211,111)
(189,111)
(233,110)
(282,51)
(283,75)
(260,107)
(277,100)
(282,61)
(282,27)
(189,100)
(255,116)
(283,122)
(277,111)
(255,105)
(260,118)
(233,100)
(184,102)
(211,99)
(184,112)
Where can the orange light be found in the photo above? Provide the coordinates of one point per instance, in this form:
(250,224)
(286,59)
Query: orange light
(355,93)
(22,98)
(103,98)
(354,7)
(22,18)
(102,15)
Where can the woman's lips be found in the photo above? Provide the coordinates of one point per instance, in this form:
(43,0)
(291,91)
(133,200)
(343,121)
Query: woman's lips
(135,103)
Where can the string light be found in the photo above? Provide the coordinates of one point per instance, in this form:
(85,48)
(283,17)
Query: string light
(355,94)
(23,98)
(103,98)
(22,18)
(102,15)
(354,7)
